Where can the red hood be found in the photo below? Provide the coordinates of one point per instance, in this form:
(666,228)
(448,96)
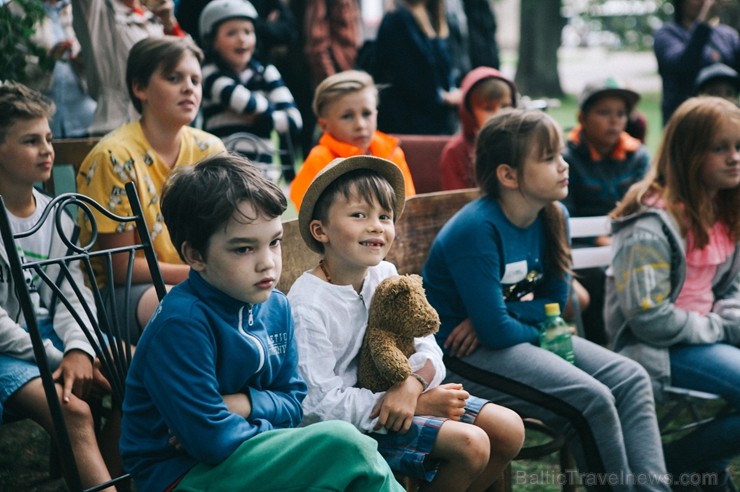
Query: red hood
(469,127)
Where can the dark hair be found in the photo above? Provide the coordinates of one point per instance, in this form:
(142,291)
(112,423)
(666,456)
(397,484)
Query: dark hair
(156,54)
(678,11)
(509,137)
(488,89)
(197,200)
(675,175)
(368,185)
(18,102)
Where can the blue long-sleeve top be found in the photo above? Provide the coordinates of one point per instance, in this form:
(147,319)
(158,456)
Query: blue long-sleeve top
(477,254)
(200,345)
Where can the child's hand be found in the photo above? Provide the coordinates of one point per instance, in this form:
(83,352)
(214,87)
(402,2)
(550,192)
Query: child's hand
(100,385)
(75,373)
(173,441)
(395,410)
(447,400)
(462,340)
(239,404)
(603,241)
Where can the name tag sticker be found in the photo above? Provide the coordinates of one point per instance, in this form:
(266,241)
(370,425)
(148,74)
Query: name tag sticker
(514,272)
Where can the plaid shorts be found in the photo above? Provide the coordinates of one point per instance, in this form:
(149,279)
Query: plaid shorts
(407,453)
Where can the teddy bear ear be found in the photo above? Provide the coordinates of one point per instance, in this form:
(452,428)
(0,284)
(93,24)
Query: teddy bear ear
(397,288)
(415,277)
(389,286)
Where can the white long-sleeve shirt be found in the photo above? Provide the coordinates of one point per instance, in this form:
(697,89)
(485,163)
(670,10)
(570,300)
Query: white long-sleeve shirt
(330,323)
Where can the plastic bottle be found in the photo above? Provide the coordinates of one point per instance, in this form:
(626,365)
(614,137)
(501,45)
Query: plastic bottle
(555,334)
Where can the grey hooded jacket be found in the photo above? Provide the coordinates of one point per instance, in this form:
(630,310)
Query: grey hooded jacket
(646,276)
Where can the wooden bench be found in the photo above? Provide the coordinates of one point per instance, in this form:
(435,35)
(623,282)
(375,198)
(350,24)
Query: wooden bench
(297,258)
(422,218)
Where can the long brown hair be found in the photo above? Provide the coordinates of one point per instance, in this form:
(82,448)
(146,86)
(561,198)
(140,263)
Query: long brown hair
(675,176)
(509,138)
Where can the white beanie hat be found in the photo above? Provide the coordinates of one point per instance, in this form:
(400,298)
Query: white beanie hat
(218,11)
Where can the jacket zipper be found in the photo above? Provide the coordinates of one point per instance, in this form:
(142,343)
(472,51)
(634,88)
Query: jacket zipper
(250,322)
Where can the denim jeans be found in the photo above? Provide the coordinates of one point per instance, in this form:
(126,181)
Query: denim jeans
(713,368)
(16,373)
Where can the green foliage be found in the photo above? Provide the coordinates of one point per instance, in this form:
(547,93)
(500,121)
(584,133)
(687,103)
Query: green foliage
(18,19)
(628,25)
(616,24)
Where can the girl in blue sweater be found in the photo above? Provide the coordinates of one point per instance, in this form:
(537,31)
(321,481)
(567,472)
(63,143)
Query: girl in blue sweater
(497,263)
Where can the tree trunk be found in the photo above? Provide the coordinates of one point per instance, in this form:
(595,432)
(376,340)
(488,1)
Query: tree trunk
(537,71)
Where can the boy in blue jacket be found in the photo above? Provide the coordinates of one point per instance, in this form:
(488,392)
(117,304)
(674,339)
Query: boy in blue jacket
(213,390)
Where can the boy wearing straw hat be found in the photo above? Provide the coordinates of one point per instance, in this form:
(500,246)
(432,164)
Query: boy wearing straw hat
(348,216)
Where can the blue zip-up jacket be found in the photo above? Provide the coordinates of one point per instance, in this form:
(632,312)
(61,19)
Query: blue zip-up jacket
(202,344)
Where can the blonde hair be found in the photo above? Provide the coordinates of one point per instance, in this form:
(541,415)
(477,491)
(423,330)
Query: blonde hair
(675,175)
(340,84)
(509,137)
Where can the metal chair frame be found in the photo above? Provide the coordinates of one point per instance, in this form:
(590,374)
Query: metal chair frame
(108,334)
(263,154)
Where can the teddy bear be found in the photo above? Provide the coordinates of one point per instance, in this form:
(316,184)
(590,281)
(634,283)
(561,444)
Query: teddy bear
(399,312)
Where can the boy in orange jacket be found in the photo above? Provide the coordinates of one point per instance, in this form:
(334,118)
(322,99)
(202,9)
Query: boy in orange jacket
(346,106)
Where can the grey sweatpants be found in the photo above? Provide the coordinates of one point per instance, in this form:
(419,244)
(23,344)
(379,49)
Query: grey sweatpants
(604,404)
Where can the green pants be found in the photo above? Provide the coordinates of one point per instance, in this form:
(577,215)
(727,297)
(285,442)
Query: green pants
(328,456)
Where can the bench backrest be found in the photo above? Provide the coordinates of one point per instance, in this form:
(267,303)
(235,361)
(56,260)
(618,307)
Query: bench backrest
(595,256)
(68,156)
(297,258)
(423,154)
(422,218)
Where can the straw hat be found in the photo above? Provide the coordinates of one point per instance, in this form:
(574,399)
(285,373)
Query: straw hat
(336,168)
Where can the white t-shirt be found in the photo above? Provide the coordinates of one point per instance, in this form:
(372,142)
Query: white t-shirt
(35,247)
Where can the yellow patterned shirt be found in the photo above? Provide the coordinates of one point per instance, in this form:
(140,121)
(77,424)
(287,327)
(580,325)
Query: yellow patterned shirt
(125,155)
